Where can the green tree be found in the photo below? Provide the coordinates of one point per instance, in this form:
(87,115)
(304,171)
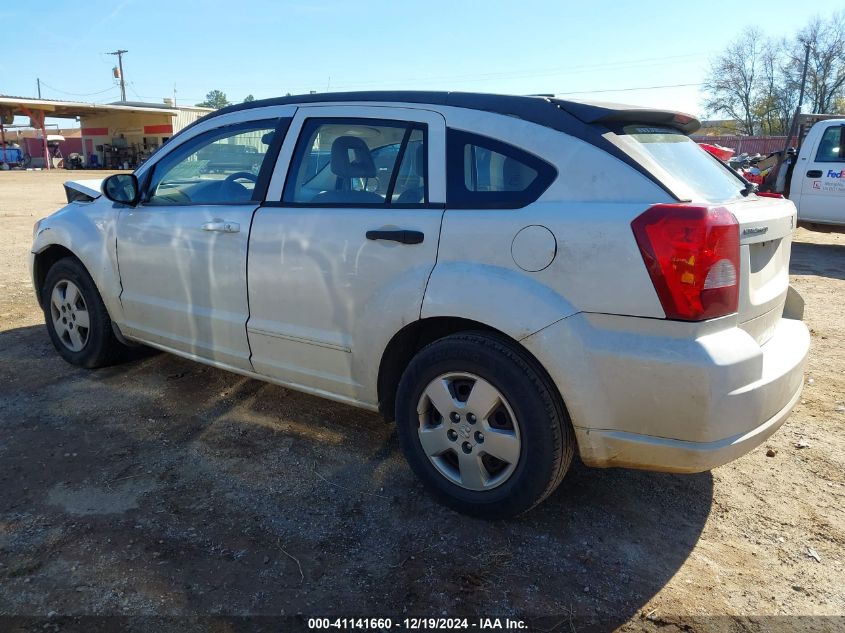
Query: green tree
(215,99)
(249,98)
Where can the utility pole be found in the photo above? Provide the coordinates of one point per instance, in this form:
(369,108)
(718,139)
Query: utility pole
(38,81)
(119,54)
(793,130)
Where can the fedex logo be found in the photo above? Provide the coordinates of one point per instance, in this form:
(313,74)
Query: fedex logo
(835,174)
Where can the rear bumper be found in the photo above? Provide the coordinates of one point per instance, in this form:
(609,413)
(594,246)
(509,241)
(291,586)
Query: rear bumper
(662,395)
(618,448)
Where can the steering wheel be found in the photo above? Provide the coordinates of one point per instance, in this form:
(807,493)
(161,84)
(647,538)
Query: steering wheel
(238,175)
(234,191)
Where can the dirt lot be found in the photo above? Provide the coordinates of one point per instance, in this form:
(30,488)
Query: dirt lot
(162,491)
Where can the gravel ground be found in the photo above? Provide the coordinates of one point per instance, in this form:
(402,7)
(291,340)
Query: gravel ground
(172,496)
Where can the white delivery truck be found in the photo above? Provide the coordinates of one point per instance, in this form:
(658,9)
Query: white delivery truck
(814,178)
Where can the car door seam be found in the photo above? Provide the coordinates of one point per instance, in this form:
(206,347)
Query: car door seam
(117,261)
(436,257)
(246,277)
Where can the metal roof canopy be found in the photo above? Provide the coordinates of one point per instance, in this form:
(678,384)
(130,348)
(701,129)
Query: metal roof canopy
(39,109)
(71,109)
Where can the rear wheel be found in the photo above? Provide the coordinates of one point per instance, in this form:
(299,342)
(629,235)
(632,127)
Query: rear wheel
(77,321)
(482,426)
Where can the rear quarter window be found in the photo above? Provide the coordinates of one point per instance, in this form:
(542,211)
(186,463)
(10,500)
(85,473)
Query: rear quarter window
(483,173)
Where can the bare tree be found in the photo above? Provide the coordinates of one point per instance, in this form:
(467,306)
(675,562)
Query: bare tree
(778,94)
(756,81)
(826,68)
(734,81)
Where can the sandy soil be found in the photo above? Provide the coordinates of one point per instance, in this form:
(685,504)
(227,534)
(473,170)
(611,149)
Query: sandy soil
(163,491)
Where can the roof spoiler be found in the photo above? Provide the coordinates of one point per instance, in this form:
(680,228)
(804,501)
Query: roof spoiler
(608,113)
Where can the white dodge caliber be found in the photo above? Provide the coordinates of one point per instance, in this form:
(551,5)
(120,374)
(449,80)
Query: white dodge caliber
(510,279)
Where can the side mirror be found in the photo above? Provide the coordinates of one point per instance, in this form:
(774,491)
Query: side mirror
(122,188)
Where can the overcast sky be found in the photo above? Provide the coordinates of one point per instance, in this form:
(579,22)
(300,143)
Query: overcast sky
(613,51)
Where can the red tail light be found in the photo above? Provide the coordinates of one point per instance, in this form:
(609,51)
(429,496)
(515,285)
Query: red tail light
(768,194)
(692,256)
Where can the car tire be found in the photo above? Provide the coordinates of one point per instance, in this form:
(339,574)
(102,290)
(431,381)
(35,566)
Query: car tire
(76,318)
(516,414)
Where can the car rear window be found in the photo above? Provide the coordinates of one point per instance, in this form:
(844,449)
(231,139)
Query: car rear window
(697,173)
(484,173)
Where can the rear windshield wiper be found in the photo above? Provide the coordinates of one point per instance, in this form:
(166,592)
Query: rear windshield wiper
(749,188)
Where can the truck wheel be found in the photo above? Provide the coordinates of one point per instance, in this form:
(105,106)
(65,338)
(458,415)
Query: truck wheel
(482,426)
(76,318)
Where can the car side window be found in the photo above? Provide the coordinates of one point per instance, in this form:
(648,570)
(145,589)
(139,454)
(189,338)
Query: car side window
(486,170)
(832,147)
(483,173)
(358,162)
(223,166)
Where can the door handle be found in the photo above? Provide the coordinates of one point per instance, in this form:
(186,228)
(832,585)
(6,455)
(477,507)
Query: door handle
(403,237)
(814,173)
(222,226)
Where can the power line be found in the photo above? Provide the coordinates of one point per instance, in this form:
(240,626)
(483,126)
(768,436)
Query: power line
(584,92)
(135,92)
(556,93)
(511,74)
(579,92)
(495,76)
(531,73)
(76,94)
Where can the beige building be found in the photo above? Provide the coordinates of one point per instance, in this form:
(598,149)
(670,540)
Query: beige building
(121,134)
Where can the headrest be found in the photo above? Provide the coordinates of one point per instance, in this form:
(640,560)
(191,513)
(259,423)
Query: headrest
(419,160)
(516,175)
(351,158)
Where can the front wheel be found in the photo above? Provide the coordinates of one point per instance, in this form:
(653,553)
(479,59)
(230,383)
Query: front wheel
(76,318)
(482,425)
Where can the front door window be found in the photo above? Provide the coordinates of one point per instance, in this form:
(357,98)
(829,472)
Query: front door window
(219,167)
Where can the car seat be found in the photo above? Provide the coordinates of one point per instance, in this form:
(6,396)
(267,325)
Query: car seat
(350,159)
(416,195)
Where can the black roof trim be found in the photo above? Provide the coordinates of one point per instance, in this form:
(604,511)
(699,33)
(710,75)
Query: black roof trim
(534,109)
(540,109)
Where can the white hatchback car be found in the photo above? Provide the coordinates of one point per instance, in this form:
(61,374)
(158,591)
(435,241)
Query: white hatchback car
(509,278)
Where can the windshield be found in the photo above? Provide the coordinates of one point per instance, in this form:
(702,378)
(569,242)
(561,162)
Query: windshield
(702,177)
